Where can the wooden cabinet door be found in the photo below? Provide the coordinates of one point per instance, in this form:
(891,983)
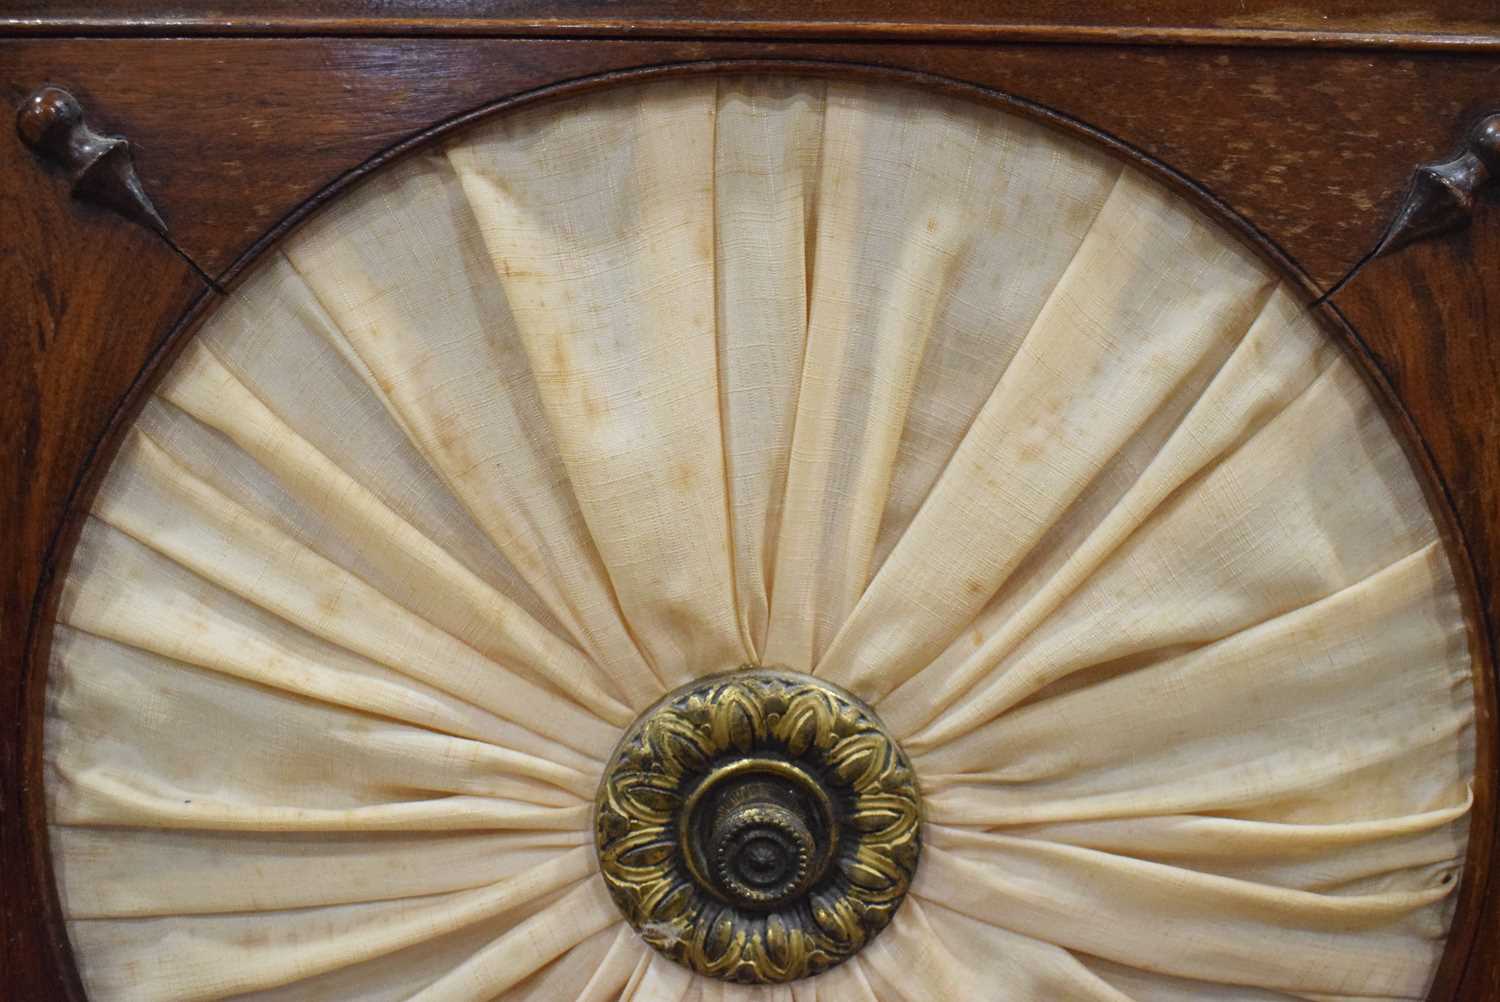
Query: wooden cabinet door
(1297,138)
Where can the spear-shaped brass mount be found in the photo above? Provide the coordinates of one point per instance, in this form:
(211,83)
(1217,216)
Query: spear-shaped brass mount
(1441,196)
(100,168)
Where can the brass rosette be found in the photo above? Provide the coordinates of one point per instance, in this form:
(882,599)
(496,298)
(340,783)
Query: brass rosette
(758,826)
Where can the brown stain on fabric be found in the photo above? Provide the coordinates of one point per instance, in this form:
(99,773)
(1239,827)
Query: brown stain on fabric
(330,602)
(595,408)
(562,362)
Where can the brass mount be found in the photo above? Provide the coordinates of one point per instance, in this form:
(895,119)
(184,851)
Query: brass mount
(758,825)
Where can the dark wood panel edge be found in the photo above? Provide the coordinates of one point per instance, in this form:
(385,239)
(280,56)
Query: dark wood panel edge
(1313,147)
(1258,241)
(730,30)
(83,297)
(44,615)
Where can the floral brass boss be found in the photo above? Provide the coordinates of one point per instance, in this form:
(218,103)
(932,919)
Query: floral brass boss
(758,825)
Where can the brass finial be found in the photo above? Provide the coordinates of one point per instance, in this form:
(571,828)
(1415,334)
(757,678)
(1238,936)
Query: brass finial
(52,123)
(1440,197)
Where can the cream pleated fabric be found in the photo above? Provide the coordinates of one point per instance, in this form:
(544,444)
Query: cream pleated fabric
(620,391)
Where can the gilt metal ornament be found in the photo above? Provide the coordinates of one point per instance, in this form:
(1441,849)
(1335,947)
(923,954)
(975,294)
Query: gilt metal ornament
(52,123)
(1441,196)
(758,826)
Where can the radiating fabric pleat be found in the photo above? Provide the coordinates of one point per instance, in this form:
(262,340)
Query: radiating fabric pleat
(492,449)
(1246,751)
(283,350)
(1022,968)
(116,874)
(224,548)
(1143,986)
(571,973)
(203,387)
(1338,858)
(1268,370)
(229,754)
(206,957)
(620,390)
(768,140)
(1197,591)
(920,238)
(1199,926)
(914,963)
(1098,363)
(658,979)
(628,379)
(396,976)
(626,955)
(531,945)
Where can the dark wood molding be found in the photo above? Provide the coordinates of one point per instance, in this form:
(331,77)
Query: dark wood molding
(1304,152)
(1313,148)
(1456,25)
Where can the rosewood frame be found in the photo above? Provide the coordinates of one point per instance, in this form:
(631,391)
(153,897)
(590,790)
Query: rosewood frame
(79,355)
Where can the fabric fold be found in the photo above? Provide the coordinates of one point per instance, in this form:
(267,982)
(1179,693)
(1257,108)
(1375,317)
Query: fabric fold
(1240,724)
(1185,924)
(1352,855)
(223,545)
(768,137)
(1098,362)
(204,388)
(626,954)
(908,962)
(924,283)
(283,348)
(1018,968)
(607,266)
(434,352)
(534,943)
(1276,362)
(224,754)
(615,391)
(1213,561)
(117,874)
(571,973)
(186,959)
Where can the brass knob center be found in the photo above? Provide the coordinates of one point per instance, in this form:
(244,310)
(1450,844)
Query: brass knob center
(759,832)
(758,826)
(760,847)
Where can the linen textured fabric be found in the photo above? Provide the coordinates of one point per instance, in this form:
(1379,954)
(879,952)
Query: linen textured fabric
(615,392)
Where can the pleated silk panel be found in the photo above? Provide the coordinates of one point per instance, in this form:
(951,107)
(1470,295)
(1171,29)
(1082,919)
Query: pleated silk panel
(612,393)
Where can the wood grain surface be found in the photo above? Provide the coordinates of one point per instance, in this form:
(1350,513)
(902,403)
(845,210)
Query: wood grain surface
(1330,23)
(84,297)
(1312,148)
(235,137)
